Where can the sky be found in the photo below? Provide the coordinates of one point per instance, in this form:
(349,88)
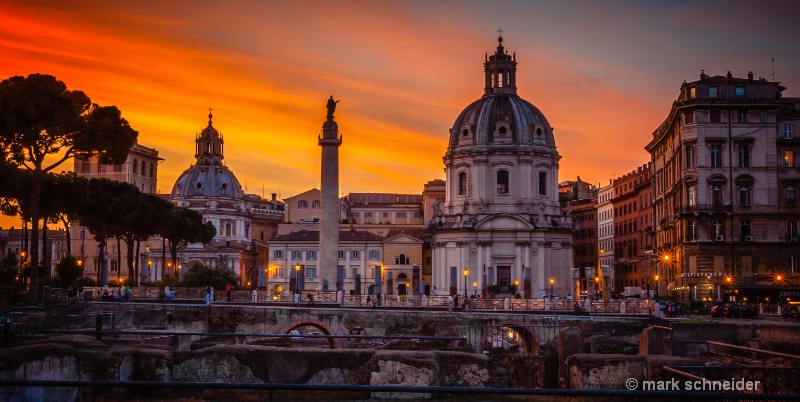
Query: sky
(604,73)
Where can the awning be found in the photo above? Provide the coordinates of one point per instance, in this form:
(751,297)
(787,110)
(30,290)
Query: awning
(670,286)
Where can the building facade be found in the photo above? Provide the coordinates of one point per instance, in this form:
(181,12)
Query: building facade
(627,234)
(725,191)
(605,236)
(501,224)
(584,244)
(141,170)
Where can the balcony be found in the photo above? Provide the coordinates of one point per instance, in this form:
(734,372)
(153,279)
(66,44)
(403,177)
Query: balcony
(711,208)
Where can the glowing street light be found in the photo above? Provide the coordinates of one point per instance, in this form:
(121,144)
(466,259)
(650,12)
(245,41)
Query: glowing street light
(552,282)
(475,285)
(656,282)
(466,272)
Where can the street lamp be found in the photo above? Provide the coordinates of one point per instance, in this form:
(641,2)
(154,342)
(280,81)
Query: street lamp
(297,278)
(466,272)
(552,282)
(711,293)
(475,285)
(656,283)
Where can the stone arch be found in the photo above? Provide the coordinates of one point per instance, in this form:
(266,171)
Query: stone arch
(523,331)
(307,322)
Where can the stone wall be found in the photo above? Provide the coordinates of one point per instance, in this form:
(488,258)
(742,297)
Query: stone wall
(84,358)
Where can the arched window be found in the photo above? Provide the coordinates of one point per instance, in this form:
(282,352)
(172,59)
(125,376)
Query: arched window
(502,182)
(144,169)
(542,183)
(228,229)
(462,183)
(402,260)
(135,166)
(152,171)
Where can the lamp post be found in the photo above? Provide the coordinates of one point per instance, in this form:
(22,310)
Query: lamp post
(180,272)
(552,282)
(710,293)
(466,272)
(475,293)
(516,287)
(729,282)
(656,283)
(596,287)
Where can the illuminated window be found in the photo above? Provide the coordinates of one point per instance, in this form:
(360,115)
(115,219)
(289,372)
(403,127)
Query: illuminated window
(788,158)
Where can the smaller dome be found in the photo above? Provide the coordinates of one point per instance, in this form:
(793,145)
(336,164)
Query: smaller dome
(207,181)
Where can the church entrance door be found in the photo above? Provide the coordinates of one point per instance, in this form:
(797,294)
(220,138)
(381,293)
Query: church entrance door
(503,278)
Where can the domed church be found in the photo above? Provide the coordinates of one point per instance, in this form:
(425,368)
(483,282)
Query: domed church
(209,187)
(500,229)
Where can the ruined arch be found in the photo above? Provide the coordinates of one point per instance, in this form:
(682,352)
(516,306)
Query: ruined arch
(306,322)
(522,330)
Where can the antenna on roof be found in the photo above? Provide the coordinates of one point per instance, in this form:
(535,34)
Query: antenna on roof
(773,69)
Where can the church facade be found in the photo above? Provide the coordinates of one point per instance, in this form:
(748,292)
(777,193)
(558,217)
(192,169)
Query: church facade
(500,229)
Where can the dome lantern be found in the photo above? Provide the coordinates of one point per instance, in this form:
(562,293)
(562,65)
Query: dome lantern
(500,71)
(208,145)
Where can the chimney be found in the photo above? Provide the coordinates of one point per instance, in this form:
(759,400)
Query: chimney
(702,74)
(729,75)
(274,196)
(750,76)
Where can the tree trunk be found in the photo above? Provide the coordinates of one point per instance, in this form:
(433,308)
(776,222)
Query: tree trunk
(131,273)
(45,253)
(119,258)
(138,268)
(36,188)
(65,221)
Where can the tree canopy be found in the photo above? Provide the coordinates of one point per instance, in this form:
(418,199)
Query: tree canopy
(40,118)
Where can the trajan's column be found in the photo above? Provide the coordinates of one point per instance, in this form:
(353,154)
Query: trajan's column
(329,225)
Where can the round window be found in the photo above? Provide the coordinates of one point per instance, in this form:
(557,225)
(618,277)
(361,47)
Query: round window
(198,185)
(502,130)
(465,133)
(539,132)
(224,186)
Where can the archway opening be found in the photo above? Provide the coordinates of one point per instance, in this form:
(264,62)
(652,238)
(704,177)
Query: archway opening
(309,335)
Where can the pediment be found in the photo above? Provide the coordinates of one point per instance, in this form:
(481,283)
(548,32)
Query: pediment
(504,222)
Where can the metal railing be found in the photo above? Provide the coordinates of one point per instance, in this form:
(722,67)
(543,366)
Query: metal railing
(110,389)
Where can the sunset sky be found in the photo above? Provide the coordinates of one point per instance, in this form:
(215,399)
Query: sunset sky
(604,73)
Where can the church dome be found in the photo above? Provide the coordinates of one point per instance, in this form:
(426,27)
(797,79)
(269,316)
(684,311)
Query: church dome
(500,117)
(209,177)
(207,181)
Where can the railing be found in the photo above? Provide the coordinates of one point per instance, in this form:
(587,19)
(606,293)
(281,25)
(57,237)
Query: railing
(329,298)
(111,390)
(528,304)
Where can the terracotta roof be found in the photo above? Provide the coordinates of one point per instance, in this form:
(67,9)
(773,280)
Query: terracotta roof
(384,198)
(344,236)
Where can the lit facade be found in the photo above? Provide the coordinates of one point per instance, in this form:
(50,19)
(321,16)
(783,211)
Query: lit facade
(501,222)
(725,190)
